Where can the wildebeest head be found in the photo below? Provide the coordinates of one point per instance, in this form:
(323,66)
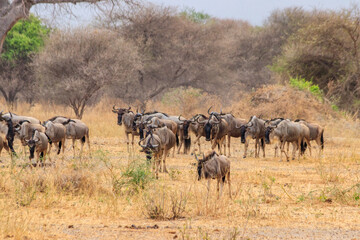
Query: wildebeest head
(242,133)
(32,143)
(200,165)
(209,125)
(120,112)
(185,124)
(150,146)
(268,130)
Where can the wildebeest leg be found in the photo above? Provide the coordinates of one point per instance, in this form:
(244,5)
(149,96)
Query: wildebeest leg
(256,147)
(88,143)
(245,148)
(309,145)
(127,141)
(263,146)
(276,149)
(157,165)
(24,150)
(50,150)
(81,148)
(295,147)
(132,142)
(181,137)
(299,148)
(73,146)
(229,152)
(229,183)
(282,150)
(164,159)
(63,147)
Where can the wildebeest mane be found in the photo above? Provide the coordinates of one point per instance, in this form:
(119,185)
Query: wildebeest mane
(209,155)
(273,119)
(153,112)
(53,118)
(298,120)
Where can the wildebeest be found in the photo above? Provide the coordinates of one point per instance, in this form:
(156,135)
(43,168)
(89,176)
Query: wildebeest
(17,118)
(215,130)
(214,166)
(288,131)
(38,143)
(24,130)
(183,132)
(316,133)
(141,118)
(3,144)
(6,128)
(158,143)
(233,129)
(77,130)
(126,116)
(198,129)
(56,133)
(256,128)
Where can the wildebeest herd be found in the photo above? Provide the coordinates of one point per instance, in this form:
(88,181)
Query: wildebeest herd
(39,136)
(160,132)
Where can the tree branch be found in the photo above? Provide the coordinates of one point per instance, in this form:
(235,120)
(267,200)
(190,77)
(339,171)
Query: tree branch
(63,1)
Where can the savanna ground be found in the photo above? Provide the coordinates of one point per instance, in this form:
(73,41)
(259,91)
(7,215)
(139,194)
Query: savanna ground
(112,194)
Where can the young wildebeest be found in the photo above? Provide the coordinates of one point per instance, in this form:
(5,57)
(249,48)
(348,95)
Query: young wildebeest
(77,130)
(158,142)
(56,133)
(316,133)
(39,144)
(256,128)
(288,131)
(25,129)
(126,116)
(214,166)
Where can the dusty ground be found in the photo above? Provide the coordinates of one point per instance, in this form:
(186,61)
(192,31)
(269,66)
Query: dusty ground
(311,199)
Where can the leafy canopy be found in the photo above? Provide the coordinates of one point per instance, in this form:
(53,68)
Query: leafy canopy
(193,15)
(26,37)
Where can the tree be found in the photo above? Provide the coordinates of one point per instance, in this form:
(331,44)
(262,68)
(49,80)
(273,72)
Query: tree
(24,39)
(175,50)
(76,65)
(326,51)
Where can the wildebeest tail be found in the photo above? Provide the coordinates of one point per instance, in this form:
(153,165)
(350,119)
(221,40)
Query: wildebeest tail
(187,144)
(322,140)
(262,142)
(177,140)
(303,147)
(42,156)
(6,146)
(83,139)
(59,148)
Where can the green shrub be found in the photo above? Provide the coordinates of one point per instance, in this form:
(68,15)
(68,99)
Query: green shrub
(302,84)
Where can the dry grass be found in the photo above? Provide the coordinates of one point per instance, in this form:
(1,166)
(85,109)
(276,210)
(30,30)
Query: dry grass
(101,197)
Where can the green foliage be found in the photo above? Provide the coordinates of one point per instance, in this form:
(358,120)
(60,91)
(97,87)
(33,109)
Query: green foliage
(335,107)
(135,177)
(26,37)
(193,15)
(302,84)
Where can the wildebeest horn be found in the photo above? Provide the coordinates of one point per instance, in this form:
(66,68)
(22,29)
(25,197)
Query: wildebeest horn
(209,110)
(129,108)
(196,157)
(218,121)
(236,126)
(154,146)
(221,111)
(143,146)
